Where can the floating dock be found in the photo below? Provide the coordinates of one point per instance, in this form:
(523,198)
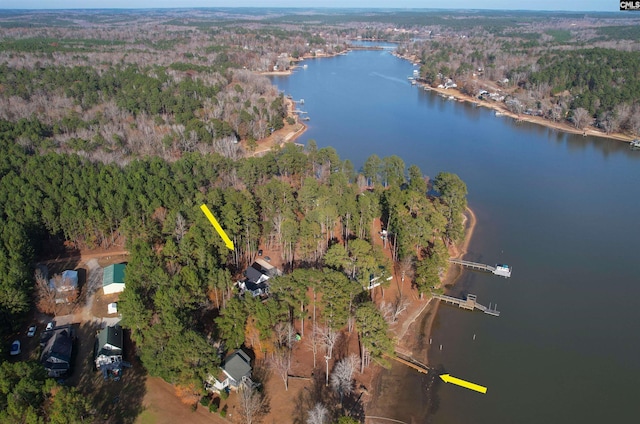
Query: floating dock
(469,303)
(499,269)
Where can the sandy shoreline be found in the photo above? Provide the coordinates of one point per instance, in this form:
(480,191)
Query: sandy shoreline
(501,108)
(413,340)
(407,344)
(288,134)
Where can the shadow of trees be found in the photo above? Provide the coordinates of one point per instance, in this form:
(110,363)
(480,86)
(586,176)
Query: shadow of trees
(113,401)
(352,404)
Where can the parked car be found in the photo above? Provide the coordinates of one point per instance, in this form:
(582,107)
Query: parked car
(15,348)
(260,252)
(32,331)
(50,326)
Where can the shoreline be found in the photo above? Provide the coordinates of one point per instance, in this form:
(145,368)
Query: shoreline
(501,108)
(413,340)
(280,137)
(450,277)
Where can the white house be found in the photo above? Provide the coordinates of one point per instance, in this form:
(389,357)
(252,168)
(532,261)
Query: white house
(236,370)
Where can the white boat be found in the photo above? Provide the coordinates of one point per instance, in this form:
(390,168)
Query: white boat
(499,113)
(635,144)
(502,270)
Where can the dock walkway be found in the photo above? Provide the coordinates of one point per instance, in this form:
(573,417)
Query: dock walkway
(501,270)
(473,265)
(469,303)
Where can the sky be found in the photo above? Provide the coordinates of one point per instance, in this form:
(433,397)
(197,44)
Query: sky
(569,5)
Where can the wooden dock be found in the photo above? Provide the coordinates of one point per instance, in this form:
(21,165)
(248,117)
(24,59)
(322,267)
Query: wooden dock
(501,270)
(473,265)
(469,303)
(410,362)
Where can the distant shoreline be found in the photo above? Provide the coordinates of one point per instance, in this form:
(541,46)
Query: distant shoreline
(501,108)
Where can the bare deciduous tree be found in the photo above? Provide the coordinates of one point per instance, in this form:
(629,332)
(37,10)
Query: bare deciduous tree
(392,310)
(281,363)
(580,118)
(313,342)
(329,339)
(252,405)
(318,415)
(285,334)
(46,296)
(342,375)
(634,121)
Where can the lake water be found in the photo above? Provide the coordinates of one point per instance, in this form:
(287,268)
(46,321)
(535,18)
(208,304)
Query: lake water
(563,210)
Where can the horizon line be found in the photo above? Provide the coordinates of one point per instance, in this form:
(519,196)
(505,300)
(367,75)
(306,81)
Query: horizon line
(480,9)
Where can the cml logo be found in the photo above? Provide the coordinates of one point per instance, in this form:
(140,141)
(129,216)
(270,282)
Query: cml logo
(630,5)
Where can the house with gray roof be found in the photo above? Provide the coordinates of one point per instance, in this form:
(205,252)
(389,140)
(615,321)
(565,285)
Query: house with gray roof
(236,370)
(257,276)
(56,352)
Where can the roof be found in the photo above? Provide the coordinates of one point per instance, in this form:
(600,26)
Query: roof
(264,264)
(112,338)
(58,347)
(237,365)
(254,275)
(113,274)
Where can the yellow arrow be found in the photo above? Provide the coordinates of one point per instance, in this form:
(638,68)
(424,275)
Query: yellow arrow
(217,226)
(467,384)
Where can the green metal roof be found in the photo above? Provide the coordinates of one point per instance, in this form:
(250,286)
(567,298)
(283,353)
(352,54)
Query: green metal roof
(113,274)
(111,336)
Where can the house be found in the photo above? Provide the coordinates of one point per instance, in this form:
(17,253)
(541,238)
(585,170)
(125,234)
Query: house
(113,279)
(256,277)
(109,348)
(450,84)
(236,370)
(266,268)
(56,353)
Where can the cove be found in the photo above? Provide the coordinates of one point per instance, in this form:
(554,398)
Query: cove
(560,209)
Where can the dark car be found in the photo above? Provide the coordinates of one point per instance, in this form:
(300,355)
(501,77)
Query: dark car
(260,252)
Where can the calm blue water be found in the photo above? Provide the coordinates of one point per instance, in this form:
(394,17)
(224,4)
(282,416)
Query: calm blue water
(561,209)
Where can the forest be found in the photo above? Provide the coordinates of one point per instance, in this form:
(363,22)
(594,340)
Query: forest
(180,302)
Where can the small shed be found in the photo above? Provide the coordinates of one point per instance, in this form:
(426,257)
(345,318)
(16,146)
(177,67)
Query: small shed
(112,308)
(113,279)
